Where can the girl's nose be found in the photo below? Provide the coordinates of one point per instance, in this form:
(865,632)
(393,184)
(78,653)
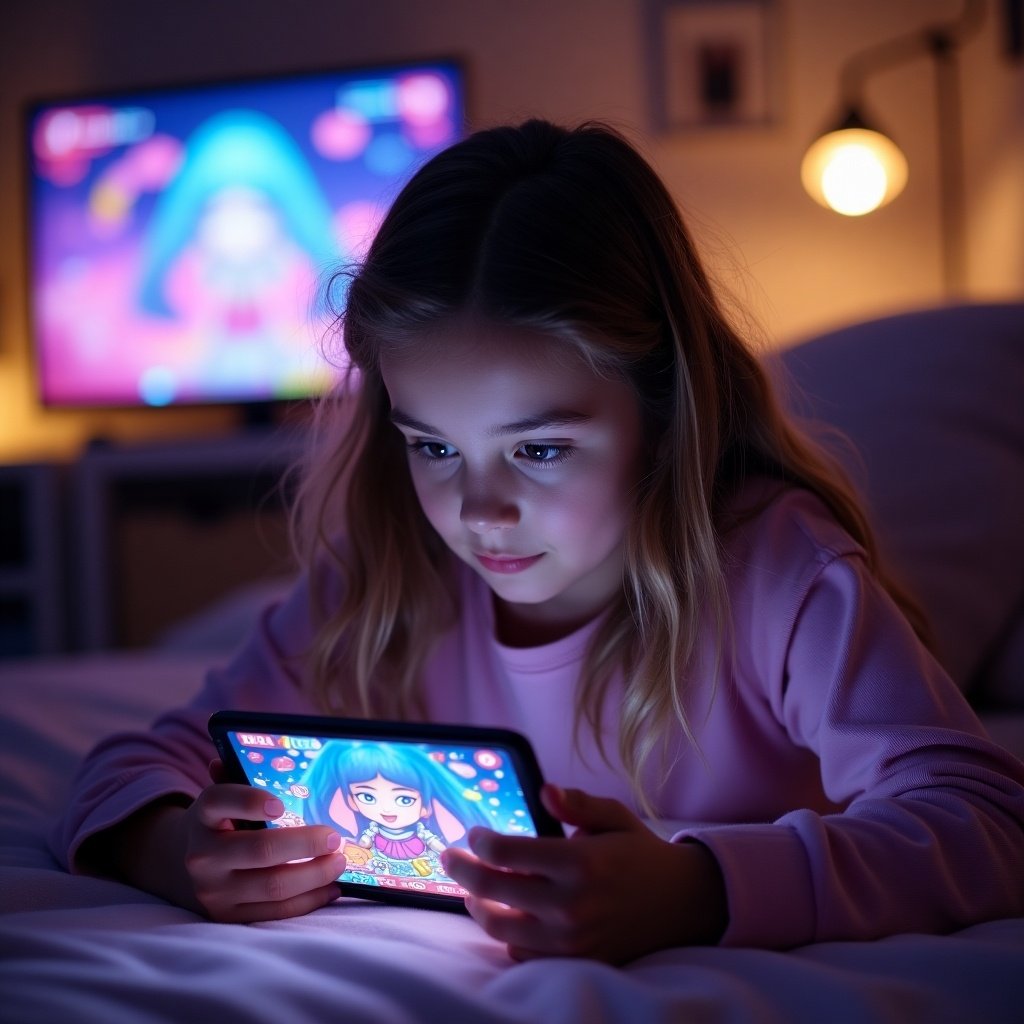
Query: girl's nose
(483,513)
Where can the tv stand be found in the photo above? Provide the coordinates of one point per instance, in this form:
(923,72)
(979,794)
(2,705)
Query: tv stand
(258,416)
(32,617)
(162,529)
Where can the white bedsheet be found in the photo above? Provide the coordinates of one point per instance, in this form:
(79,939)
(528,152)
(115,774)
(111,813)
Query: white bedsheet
(82,949)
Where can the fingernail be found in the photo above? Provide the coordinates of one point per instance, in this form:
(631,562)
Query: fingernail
(333,841)
(273,808)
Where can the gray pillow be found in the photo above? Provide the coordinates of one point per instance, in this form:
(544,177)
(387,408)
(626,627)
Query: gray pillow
(933,401)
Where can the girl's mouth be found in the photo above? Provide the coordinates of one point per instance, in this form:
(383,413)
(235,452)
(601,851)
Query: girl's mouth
(389,817)
(506,565)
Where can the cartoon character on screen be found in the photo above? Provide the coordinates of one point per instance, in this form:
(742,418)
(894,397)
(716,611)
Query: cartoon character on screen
(235,244)
(402,807)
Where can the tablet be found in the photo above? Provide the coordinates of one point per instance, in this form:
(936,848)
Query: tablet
(398,793)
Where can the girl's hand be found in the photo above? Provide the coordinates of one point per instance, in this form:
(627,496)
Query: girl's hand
(245,875)
(613,891)
(196,857)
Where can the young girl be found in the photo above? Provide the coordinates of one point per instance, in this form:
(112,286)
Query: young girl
(564,500)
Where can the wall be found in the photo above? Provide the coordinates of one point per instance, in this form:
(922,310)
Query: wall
(798,267)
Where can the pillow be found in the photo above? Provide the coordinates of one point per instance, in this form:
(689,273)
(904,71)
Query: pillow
(223,626)
(1002,681)
(933,400)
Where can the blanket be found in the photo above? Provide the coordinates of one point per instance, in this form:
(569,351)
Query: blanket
(84,949)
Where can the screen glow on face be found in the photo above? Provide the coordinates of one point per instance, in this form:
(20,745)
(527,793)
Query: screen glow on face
(525,461)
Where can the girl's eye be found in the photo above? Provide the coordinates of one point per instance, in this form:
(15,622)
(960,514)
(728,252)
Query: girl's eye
(433,451)
(547,454)
(366,798)
(405,801)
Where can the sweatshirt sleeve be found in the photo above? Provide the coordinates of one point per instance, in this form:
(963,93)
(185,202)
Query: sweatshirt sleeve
(931,835)
(129,770)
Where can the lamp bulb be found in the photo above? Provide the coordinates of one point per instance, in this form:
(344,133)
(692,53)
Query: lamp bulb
(854,171)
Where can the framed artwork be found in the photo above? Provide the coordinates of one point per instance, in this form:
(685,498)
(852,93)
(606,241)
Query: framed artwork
(717,63)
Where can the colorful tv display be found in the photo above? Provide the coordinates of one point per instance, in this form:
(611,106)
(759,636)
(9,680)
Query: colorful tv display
(178,237)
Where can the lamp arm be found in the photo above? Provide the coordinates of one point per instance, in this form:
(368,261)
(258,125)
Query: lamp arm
(938,39)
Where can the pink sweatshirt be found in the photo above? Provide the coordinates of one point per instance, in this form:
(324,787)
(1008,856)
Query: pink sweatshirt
(842,782)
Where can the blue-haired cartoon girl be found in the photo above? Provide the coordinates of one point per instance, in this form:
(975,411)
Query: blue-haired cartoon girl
(245,162)
(400,805)
(232,252)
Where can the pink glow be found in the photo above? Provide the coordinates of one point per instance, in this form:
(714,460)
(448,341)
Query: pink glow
(150,165)
(66,171)
(424,103)
(423,99)
(340,134)
(79,133)
(355,225)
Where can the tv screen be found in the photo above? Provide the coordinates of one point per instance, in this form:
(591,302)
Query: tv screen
(177,236)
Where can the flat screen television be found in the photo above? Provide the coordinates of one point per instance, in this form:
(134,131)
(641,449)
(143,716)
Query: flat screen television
(177,236)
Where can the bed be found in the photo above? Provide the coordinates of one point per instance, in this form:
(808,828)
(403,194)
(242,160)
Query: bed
(84,949)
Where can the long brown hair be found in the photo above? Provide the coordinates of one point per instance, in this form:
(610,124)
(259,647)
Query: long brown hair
(571,233)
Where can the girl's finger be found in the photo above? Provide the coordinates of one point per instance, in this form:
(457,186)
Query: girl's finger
(591,814)
(252,849)
(529,893)
(524,934)
(286,882)
(232,802)
(273,910)
(555,859)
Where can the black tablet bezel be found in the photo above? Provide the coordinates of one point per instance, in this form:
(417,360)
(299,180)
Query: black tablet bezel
(515,745)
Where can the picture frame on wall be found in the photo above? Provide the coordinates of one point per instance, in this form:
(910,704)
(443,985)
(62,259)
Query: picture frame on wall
(717,63)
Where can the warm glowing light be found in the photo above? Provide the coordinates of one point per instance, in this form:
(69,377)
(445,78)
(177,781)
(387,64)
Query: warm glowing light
(854,171)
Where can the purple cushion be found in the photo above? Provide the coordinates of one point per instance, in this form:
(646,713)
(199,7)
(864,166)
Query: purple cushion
(934,402)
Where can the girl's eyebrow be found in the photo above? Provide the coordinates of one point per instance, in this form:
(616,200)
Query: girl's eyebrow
(360,787)
(551,418)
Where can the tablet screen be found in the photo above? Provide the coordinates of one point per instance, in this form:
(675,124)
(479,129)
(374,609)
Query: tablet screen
(397,803)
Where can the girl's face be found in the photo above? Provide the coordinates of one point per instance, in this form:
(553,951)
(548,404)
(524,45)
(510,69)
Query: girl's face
(386,802)
(524,461)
